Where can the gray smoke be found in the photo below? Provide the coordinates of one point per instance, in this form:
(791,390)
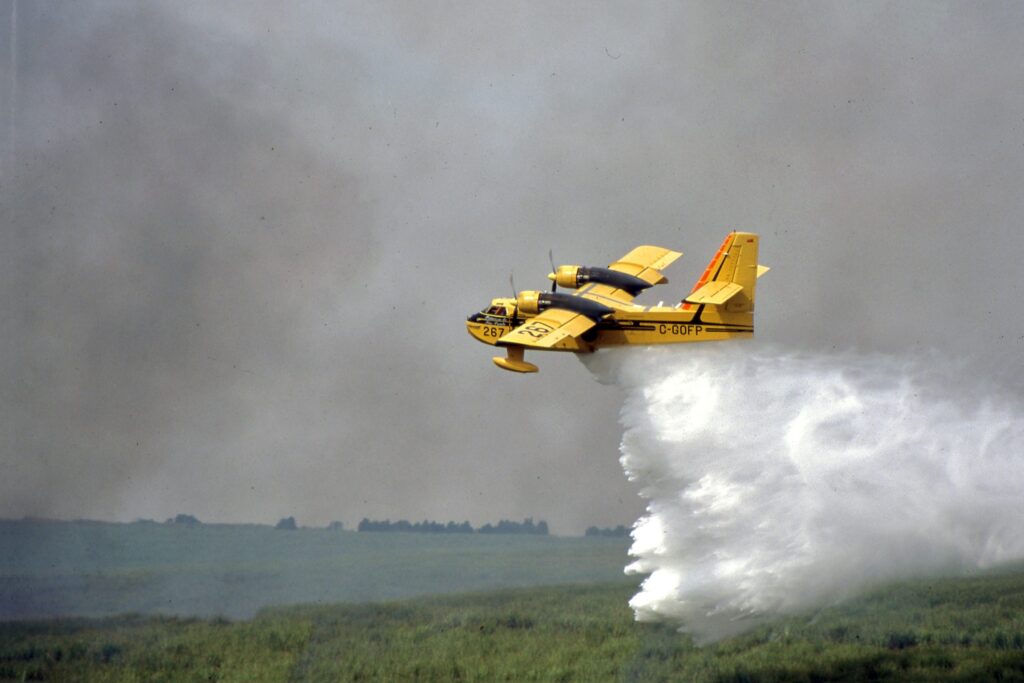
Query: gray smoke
(240,239)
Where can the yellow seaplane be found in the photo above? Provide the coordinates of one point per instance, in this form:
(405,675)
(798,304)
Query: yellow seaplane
(599,310)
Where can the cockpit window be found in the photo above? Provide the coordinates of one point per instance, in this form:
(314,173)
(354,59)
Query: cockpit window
(496,310)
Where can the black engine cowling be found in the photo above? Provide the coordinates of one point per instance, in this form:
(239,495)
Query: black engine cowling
(575,277)
(532,303)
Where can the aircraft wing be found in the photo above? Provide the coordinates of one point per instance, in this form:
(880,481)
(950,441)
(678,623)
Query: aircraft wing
(605,294)
(644,262)
(647,262)
(547,329)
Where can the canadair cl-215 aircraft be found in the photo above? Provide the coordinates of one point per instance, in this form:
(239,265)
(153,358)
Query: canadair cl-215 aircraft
(600,311)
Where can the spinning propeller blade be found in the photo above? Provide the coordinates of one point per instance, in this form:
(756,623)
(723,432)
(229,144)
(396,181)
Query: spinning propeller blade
(515,302)
(554,273)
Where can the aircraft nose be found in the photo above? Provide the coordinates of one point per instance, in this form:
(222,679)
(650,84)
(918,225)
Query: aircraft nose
(475,329)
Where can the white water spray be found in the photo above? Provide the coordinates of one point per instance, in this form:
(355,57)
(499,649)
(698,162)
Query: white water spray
(778,483)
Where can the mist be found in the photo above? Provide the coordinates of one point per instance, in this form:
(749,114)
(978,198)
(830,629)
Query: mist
(778,482)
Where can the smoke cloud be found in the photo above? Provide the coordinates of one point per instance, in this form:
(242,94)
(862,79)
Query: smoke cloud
(779,482)
(238,240)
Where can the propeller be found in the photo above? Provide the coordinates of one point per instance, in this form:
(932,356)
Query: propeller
(515,297)
(554,272)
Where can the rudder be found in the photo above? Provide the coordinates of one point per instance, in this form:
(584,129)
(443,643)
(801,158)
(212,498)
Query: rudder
(730,279)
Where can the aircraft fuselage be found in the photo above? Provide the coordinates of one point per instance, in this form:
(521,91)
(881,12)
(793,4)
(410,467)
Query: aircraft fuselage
(645,325)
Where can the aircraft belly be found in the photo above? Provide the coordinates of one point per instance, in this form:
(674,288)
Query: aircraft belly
(572,344)
(673,328)
(647,337)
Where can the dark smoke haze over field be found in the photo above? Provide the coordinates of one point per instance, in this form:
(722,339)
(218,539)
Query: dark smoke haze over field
(239,240)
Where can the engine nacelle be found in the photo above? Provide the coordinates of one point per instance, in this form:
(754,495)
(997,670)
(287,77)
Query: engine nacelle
(533,303)
(566,276)
(528,303)
(574,277)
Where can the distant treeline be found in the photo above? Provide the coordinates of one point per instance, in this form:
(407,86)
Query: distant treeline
(285,523)
(184,520)
(505,526)
(426,527)
(508,527)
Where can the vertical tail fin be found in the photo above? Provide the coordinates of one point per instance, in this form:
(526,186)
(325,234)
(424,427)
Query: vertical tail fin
(731,277)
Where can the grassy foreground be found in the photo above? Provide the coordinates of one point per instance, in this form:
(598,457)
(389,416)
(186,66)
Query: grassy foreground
(949,630)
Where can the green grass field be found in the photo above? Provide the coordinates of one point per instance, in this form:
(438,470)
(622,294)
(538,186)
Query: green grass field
(938,630)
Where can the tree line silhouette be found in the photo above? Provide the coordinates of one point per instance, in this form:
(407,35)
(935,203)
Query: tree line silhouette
(505,526)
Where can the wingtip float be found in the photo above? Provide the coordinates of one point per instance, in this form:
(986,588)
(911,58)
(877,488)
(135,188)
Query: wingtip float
(599,311)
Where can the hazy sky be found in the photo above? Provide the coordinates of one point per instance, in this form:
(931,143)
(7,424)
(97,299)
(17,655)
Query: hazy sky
(239,240)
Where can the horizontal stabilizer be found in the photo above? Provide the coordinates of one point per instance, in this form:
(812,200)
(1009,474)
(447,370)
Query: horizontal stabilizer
(716,293)
(761,270)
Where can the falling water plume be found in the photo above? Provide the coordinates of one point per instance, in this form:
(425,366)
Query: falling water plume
(780,482)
